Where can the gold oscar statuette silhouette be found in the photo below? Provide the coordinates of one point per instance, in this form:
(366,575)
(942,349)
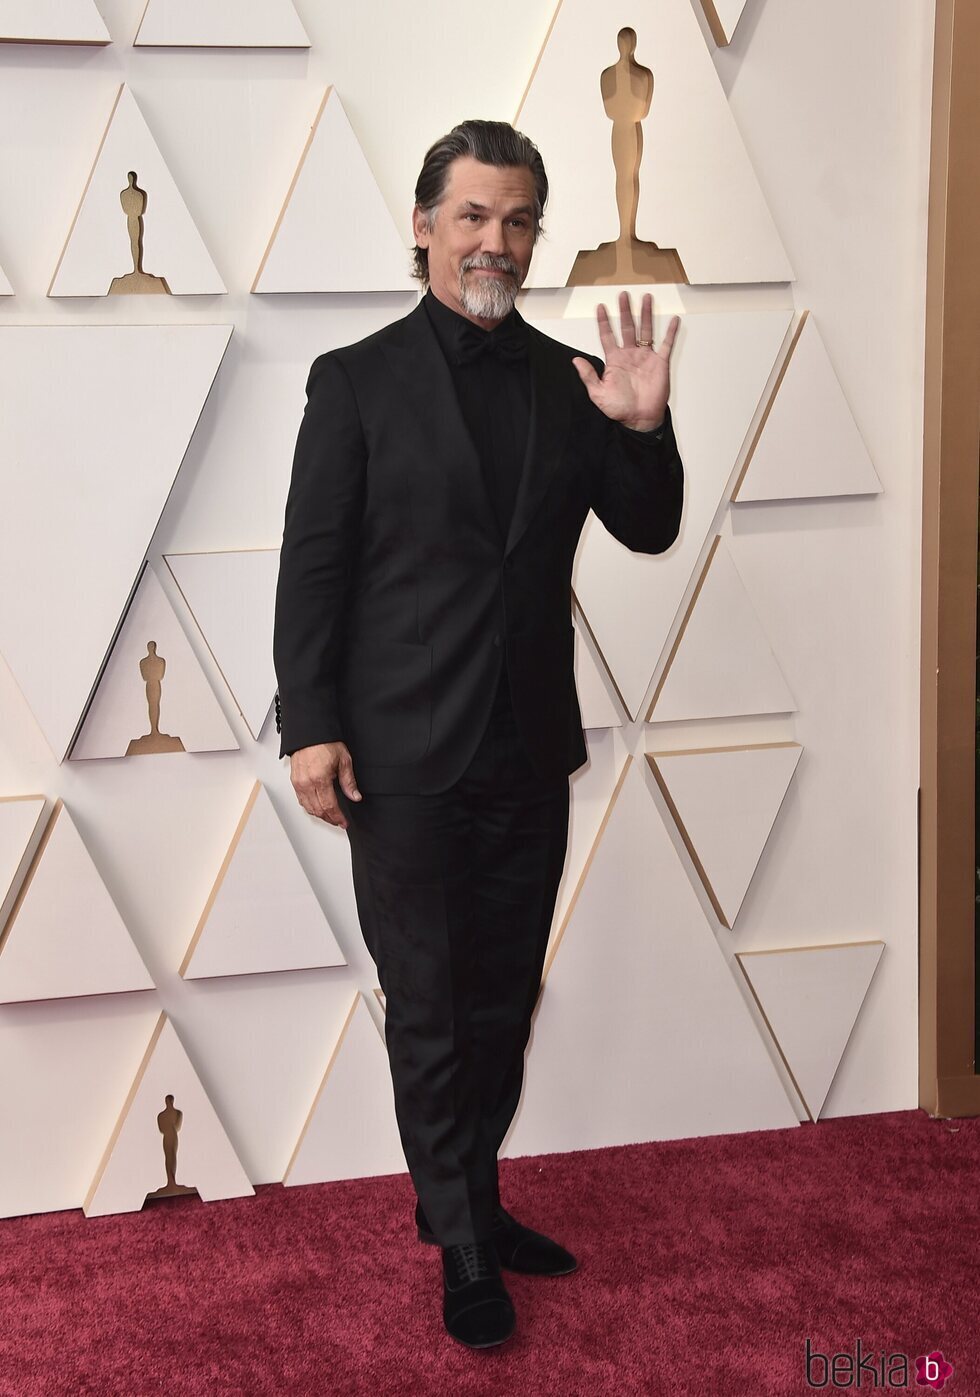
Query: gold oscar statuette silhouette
(168,1123)
(627,92)
(137,282)
(152,667)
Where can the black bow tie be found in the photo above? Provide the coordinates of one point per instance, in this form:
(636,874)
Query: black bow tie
(507,342)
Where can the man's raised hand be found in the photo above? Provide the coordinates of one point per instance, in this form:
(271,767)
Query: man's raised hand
(636,383)
(312,772)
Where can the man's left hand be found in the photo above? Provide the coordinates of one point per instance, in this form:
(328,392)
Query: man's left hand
(636,383)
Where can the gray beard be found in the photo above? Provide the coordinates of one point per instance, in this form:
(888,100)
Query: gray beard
(489,298)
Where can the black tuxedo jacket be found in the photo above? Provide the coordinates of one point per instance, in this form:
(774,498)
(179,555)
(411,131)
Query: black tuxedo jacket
(397,595)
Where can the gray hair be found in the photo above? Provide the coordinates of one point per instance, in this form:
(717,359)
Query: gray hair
(490,142)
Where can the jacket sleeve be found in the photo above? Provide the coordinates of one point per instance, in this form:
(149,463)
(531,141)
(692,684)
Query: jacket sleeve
(319,542)
(637,482)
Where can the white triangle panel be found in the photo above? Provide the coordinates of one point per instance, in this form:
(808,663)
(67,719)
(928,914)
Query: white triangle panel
(809,445)
(98,248)
(726,800)
(232,597)
(65,936)
(351,1131)
(221,24)
(594,788)
(723,17)
(5,287)
(811,997)
(134,1163)
(129,399)
(119,722)
(698,190)
(664,1044)
(52,22)
(723,665)
(594,687)
(21,826)
(318,243)
(262,914)
(630,599)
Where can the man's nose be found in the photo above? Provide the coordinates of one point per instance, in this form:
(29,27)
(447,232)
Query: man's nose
(493,237)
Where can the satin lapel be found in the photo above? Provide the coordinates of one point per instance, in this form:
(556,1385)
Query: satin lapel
(418,362)
(548,428)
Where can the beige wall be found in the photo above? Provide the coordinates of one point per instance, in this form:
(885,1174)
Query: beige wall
(833,103)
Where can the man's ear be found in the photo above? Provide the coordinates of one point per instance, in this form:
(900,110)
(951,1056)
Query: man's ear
(420,226)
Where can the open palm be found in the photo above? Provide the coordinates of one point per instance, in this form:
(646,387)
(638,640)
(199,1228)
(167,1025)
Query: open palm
(636,383)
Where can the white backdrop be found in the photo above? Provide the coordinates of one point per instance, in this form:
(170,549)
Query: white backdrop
(833,103)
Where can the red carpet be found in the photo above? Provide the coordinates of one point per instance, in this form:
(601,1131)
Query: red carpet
(704,1265)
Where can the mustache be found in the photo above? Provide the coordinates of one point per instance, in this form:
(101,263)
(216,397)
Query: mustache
(488,262)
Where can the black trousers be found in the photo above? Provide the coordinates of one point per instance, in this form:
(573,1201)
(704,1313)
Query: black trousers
(455,895)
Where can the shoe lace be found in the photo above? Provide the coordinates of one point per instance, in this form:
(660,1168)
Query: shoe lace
(473,1260)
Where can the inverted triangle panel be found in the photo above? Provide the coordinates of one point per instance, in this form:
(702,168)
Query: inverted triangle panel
(698,193)
(21,826)
(594,686)
(232,598)
(594,791)
(725,801)
(351,1131)
(157,1143)
(52,22)
(262,914)
(630,599)
(65,936)
(221,24)
(721,665)
(664,1043)
(100,244)
(335,232)
(723,17)
(811,997)
(91,481)
(809,444)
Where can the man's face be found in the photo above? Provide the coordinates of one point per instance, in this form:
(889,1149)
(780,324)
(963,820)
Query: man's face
(481,238)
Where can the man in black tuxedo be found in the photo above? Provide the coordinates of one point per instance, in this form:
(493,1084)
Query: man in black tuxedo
(443,471)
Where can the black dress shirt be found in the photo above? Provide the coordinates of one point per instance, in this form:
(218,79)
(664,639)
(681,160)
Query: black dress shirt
(494,393)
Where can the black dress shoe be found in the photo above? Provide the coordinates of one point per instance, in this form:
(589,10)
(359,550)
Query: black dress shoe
(476,1308)
(518,1248)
